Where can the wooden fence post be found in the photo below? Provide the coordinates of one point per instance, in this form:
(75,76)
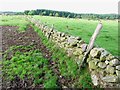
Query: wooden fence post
(91,43)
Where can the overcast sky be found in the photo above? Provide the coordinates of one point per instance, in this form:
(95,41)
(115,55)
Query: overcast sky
(77,6)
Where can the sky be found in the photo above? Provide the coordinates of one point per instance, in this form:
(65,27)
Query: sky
(76,6)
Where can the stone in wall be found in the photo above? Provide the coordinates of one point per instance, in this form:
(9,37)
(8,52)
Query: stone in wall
(107,62)
(80,59)
(80,42)
(118,73)
(70,52)
(94,79)
(118,67)
(63,39)
(104,53)
(84,47)
(110,69)
(111,78)
(114,62)
(95,53)
(102,65)
(72,41)
(77,51)
(92,64)
(63,35)
(110,57)
(89,58)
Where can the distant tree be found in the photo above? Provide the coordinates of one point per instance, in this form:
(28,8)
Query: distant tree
(50,14)
(70,15)
(54,13)
(74,15)
(19,13)
(44,13)
(32,12)
(60,14)
(26,12)
(78,16)
(57,15)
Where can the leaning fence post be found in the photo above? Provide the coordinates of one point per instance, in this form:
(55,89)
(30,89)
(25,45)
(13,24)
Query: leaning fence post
(91,43)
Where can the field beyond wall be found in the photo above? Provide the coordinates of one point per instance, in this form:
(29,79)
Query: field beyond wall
(84,28)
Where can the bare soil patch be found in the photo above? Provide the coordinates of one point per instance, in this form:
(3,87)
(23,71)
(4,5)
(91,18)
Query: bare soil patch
(12,37)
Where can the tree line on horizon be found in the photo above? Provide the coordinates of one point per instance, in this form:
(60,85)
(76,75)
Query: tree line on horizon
(44,12)
(65,14)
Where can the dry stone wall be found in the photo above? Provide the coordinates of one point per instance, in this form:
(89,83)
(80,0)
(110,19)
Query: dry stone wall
(103,66)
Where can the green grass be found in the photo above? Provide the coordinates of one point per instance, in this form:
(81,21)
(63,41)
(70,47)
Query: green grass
(34,66)
(14,21)
(66,65)
(32,60)
(107,39)
(31,65)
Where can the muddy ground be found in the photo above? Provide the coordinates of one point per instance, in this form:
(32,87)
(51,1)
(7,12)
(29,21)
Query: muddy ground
(11,37)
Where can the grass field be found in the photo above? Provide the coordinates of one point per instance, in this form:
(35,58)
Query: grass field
(32,64)
(29,66)
(107,39)
(14,21)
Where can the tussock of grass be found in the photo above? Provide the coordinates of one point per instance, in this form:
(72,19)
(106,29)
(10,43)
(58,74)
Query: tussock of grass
(31,65)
